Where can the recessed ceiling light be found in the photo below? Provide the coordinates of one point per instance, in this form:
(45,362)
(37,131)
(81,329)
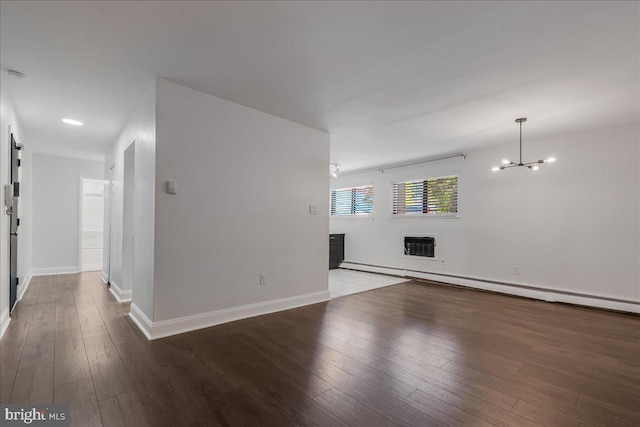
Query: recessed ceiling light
(72,122)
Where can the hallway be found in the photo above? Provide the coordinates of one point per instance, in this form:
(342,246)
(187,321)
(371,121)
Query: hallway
(407,354)
(64,345)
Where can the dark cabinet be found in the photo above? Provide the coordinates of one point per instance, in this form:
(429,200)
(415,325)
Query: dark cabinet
(336,250)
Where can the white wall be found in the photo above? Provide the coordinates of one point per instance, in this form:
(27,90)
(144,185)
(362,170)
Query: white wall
(572,226)
(56,211)
(141,128)
(9,123)
(245,180)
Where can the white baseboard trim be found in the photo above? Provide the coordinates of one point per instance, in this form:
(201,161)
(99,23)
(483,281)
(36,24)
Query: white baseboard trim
(528,291)
(5,319)
(104,278)
(373,269)
(92,267)
(165,328)
(119,294)
(142,321)
(46,271)
(22,288)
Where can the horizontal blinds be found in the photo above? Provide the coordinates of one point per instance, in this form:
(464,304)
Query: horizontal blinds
(352,201)
(341,201)
(442,195)
(429,196)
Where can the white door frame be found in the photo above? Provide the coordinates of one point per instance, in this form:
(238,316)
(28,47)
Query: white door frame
(109,260)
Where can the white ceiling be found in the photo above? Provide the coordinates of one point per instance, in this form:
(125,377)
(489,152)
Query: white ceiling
(390,81)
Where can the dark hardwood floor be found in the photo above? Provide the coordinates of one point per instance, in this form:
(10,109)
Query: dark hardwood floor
(409,354)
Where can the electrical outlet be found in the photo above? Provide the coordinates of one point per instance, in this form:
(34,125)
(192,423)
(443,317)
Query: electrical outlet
(312,210)
(263,279)
(516,270)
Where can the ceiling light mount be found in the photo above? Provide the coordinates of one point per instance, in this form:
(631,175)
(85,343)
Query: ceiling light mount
(336,169)
(507,164)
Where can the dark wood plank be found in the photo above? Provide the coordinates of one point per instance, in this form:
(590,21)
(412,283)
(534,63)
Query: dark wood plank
(109,377)
(120,331)
(8,370)
(38,350)
(350,410)
(431,379)
(409,354)
(393,409)
(587,385)
(43,321)
(444,412)
(543,416)
(614,412)
(518,385)
(33,385)
(71,362)
(81,398)
(546,414)
(123,410)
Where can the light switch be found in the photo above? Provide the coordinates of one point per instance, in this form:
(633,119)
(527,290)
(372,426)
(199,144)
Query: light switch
(172,187)
(312,210)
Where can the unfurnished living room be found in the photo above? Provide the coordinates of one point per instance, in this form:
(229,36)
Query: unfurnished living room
(320,213)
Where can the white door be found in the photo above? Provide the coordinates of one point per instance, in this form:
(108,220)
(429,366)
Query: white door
(92,224)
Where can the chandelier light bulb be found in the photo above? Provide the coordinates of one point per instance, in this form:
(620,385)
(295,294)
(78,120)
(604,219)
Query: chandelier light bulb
(535,168)
(506,161)
(495,169)
(550,160)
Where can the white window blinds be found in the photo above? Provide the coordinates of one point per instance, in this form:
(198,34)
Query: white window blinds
(436,196)
(352,201)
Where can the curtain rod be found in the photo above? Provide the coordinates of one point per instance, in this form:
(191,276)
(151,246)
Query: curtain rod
(382,168)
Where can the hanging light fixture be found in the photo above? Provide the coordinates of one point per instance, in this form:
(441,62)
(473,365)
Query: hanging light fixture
(336,169)
(506,163)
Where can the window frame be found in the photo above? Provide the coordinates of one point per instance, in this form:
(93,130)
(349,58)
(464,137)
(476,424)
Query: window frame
(447,215)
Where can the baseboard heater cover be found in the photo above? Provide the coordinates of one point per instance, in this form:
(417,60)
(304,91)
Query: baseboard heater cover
(533,292)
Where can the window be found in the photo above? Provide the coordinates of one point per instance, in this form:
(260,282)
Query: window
(352,201)
(436,196)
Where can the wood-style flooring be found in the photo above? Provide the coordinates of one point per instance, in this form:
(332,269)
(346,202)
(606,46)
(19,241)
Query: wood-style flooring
(410,354)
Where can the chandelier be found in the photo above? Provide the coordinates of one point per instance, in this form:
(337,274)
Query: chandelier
(506,163)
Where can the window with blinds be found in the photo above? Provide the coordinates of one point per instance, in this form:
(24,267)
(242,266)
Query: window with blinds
(352,201)
(436,196)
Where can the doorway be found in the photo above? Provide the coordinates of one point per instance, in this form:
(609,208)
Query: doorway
(91,224)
